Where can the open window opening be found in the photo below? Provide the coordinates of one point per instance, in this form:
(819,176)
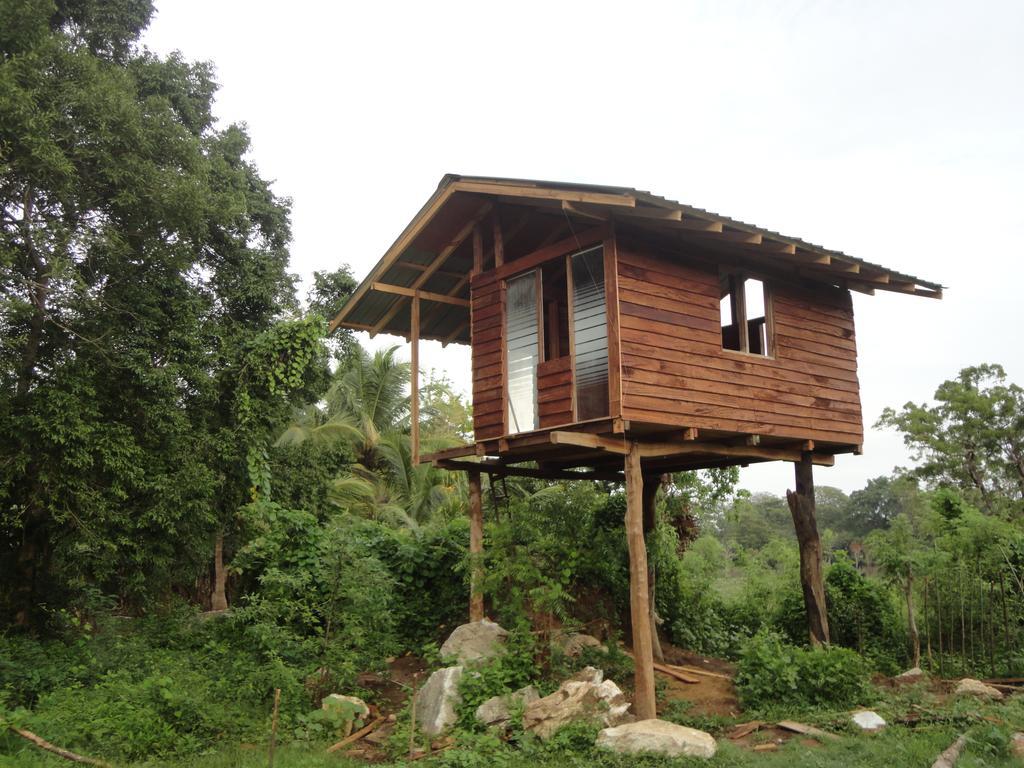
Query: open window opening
(744,308)
(556,310)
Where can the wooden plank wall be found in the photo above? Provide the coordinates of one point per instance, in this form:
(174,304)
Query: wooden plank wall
(674,370)
(554,392)
(488,359)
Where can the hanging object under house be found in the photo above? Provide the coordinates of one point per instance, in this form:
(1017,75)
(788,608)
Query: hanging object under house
(618,336)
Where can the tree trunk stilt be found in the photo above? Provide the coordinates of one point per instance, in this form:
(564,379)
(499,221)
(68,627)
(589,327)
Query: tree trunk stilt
(639,604)
(476,549)
(802,508)
(219,596)
(651,484)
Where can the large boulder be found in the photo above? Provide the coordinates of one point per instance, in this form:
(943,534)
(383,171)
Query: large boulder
(971,687)
(438,700)
(659,737)
(589,697)
(476,641)
(497,709)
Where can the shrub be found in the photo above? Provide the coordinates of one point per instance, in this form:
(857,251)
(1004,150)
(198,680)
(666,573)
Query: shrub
(774,673)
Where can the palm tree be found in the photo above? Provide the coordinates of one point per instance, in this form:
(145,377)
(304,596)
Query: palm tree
(365,401)
(367,409)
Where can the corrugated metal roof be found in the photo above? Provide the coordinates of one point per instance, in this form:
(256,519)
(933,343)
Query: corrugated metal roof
(459,198)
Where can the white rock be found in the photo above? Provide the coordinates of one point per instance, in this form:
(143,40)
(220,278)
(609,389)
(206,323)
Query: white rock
(971,687)
(438,700)
(910,676)
(476,641)
(585,697)
(497,709)
(867,720)
(659,737)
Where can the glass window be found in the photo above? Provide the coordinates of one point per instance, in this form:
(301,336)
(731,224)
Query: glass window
(522,351)
(590,334)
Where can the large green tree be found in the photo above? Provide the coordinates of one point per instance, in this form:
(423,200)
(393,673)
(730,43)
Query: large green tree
(151,339)
(971,438)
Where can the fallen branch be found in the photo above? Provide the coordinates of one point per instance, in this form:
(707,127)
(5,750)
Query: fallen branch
(67,754)
(951,754)
(428,753)
(806,730)
(356,736)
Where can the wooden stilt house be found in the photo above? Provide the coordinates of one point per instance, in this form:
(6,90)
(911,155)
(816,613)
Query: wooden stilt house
(617,335)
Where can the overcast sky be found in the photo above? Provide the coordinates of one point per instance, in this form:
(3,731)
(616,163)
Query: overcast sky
(891,131)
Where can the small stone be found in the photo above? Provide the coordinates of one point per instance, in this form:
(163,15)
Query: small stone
(971,687)
(354,704)
(867,720)
(476,641)
(591,675)
(438,700)
(659,737)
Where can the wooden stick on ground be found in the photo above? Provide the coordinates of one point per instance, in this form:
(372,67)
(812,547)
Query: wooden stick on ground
(356,736)
(951,754)
(428,753)
(672,672)
(67,754)
(806,730)
(697,671)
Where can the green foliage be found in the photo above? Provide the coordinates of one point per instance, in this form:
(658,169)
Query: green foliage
(151,337)
(772,673)
(505,673)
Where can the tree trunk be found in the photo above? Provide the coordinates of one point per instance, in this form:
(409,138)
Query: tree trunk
(639,610)
(219,597)
(476,548)
(651,484)
(802,508)
(928,627)
(938,612)
(915,639)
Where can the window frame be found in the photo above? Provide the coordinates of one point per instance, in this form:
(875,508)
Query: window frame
(738,298)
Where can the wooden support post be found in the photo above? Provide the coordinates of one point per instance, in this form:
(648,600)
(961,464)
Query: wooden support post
(639,607)
(802,508)
(499,241)
(414,394)
(651,485)
(476,548)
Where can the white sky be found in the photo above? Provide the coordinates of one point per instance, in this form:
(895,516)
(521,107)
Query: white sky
(893,131)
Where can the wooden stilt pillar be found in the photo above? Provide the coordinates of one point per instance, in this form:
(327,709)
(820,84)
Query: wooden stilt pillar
(476,548)
(639,605)
(414,394)
(651,484)
(802,508)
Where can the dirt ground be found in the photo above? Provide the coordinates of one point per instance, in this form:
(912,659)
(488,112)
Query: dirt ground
(711,695)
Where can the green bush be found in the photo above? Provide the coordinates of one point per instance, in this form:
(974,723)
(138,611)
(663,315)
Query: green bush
(863,615)
(773,673)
